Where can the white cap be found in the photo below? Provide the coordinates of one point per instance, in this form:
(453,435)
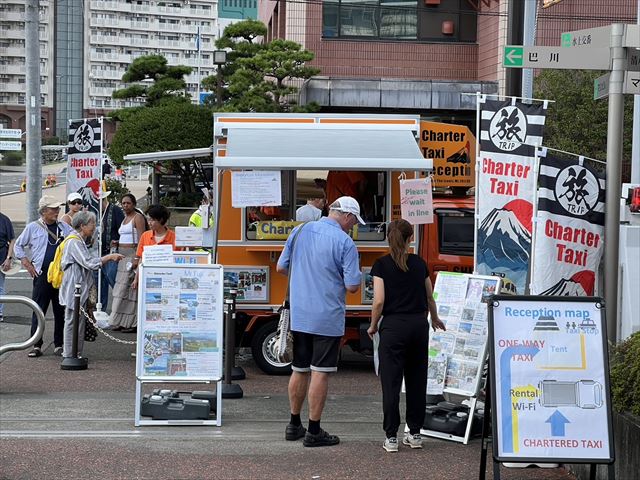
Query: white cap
(74,196)
(348,205)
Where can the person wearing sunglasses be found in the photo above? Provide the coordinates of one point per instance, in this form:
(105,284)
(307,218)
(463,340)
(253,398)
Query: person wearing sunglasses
(74,201)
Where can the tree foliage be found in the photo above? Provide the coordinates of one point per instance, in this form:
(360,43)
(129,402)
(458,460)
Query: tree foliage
(171,125)
(576,122)
(261,77)
(164,80)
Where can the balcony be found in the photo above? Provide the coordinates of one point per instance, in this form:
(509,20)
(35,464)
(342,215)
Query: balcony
(101,91)
(14,87)
(13,69)
(109,74)
(13,16)
(111,57)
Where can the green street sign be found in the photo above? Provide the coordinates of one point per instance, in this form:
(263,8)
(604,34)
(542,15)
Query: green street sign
(566,40)
(513,56)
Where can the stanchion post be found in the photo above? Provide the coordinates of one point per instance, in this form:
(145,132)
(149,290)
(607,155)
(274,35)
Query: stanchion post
(229,390)
(237,373)
(73,362)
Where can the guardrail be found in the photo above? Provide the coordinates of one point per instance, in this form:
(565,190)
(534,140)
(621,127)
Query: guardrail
(9,347)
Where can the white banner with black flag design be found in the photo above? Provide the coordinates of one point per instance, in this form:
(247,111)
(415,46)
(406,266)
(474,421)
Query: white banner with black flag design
(569,228)
(505,188)
(84,161)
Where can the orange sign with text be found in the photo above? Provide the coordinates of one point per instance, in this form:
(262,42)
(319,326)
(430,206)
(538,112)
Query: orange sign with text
(453,150)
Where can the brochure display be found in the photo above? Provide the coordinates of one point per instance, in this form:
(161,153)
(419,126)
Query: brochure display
(457,355)
(251,283)
(549,380)
(180,329)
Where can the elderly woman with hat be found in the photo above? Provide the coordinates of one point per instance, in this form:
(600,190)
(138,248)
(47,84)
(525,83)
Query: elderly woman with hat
(41,238)
(74,201)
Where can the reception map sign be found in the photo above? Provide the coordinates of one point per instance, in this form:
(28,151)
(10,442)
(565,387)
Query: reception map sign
(549,380)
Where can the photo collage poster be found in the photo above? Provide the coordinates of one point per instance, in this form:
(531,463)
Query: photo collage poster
(180,322)
(251,283)
(456,356)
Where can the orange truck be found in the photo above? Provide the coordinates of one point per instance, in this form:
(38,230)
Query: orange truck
(311,151)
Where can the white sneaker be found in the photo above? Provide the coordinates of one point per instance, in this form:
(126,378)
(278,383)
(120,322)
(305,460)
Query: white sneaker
(414,441)
(390,444)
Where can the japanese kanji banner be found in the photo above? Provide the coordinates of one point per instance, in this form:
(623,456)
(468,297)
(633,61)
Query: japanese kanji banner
(569,228)
(84,161)
(505,189)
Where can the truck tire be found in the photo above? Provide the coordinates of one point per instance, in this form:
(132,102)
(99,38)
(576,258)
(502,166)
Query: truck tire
(262,350)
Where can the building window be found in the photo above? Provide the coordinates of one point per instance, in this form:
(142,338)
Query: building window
(444,21)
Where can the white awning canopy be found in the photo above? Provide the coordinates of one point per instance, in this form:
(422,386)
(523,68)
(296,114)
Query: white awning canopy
(283,148)
(186,154)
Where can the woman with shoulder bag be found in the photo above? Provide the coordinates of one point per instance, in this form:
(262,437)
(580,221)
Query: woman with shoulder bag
(402,294)
(78,264)
(125,299)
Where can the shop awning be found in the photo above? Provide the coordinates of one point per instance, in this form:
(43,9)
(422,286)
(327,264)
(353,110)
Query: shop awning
(282,148)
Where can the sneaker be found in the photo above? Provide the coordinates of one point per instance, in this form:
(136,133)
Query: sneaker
(413,440)
(390,444)
(57,351)
(294,432)
(322,439)
(35,353)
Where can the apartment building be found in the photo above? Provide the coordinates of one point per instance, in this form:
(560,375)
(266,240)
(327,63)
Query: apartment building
(87,45)
(13,63)
(422,56)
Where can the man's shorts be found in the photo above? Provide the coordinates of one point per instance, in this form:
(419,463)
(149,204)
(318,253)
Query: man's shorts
(315,352)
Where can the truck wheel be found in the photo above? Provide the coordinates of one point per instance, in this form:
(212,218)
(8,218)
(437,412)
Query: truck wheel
(262,349)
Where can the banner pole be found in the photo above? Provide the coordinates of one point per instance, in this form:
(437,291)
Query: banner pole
(99,303)
(534,218)
(476,215)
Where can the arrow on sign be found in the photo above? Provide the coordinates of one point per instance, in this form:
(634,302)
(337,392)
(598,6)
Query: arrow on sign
(635,81)
(512,55)
(557,421)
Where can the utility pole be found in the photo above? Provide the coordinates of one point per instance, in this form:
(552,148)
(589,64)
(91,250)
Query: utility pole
(614,178)
(513,80)
(34,134)
(528,39)
(635,146)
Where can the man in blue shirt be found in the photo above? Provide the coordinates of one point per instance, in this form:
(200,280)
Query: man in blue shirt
(323,266)
(41,238)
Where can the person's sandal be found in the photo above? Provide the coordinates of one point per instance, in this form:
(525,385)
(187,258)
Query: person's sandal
(36,352)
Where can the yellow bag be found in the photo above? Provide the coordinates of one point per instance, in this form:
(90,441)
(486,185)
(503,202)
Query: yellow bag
(55,272)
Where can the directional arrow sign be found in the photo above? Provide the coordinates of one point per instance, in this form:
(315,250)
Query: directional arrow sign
(590,37)
(513,56)
(10,145)
(601,86)
(557,421)
(517,56)
(10,133)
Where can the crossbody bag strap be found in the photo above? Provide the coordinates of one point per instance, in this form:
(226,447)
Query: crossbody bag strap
(293,243)
(56,238)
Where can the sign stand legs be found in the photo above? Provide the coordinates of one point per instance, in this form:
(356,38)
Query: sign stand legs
(486,425)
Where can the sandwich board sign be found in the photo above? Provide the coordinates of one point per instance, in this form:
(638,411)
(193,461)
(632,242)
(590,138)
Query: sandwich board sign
(549,380)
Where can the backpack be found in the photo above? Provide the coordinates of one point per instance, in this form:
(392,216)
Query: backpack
(55,272)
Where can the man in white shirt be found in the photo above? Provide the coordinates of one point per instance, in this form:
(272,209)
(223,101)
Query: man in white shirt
(312,211)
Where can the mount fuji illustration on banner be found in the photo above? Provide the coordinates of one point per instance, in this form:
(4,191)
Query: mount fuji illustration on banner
(580,284)
(504,240)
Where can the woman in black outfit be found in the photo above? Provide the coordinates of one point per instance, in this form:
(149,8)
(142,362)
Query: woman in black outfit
(402,294)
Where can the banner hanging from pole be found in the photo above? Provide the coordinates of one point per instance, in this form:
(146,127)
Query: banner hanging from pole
(569,228)
(84,161)
(505,189)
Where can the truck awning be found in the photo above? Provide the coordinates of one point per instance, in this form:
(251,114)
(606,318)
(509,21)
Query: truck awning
(282,148)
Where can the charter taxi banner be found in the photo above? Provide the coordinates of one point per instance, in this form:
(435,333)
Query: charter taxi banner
(84,160)
(569,228)
(453,150)
(505,191)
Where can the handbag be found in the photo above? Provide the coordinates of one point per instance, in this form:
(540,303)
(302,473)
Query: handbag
(283,347)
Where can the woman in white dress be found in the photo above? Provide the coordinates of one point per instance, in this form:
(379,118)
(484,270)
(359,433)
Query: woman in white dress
(124,307)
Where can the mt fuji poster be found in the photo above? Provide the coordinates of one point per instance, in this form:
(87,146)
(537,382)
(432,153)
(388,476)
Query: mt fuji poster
(505,191)
(569,238)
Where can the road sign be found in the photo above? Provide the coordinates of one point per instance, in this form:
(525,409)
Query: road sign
(5,145)
(10,133)
(590,37)
(632,83)
(633,60)
(601,86)
(596,58)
